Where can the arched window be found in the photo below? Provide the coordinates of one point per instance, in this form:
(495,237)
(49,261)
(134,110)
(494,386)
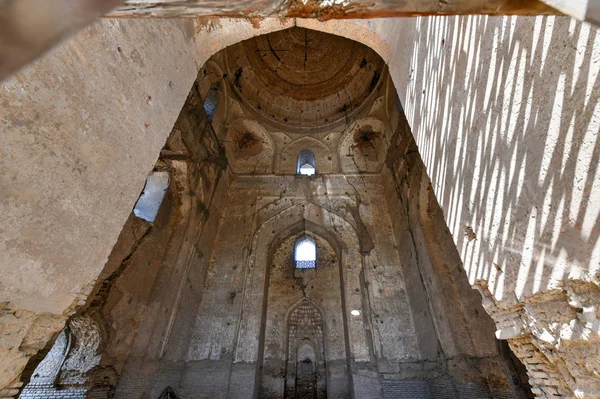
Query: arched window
(305,253)
(306,163)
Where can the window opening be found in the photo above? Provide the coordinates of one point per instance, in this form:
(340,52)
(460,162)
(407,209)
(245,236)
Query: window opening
(154,192)
(212,102)
(305,253)
(306,163)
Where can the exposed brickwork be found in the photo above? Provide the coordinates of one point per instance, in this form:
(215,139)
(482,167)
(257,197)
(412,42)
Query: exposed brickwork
(555,335)
(305,322)
(50,392)
(439,389)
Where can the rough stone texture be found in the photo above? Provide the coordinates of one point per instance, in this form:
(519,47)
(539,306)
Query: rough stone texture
(326,9)
(101,123)
(22,334)
(504,111)
(239,340)
(62,235)
(556,334)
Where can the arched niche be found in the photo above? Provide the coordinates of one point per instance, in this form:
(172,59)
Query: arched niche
(305,163)
(324,162)
(84,354)
(363,146)
(249,147)
(136,152)
(299,302)
(213,92)
(275,224)
(306,365)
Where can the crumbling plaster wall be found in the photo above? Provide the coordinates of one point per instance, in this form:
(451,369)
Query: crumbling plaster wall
(150,285)
(232,327)
(450,312)
(522,196)
(526,183)
(454,75)
(505,114)
(82,128)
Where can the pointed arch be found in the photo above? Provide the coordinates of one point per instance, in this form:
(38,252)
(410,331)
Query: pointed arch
(300,303)
(275,223)
(290,155)
(363,146)
(250,147)
(305,332)
(306,164)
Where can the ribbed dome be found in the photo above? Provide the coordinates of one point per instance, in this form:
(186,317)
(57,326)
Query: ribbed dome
(303,78)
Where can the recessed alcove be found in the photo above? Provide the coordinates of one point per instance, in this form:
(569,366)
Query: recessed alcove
(299,252)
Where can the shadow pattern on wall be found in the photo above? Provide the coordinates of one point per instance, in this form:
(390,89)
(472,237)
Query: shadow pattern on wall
(506,114)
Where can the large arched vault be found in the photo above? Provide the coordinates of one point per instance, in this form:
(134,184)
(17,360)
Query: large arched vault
(450,152)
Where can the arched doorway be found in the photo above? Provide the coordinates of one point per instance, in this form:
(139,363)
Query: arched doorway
(306,370)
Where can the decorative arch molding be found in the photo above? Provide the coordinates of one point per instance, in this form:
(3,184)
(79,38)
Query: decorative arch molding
(196,44)
(251,147)
(364,145)
(305,326)
(303,302)
(386,107)
(315,215)
(289,156)
(299,303)
(302,227)
(268,235)
(351,216)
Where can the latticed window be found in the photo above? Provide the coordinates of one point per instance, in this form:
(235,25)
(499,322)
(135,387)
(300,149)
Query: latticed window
(305,253)
(306,163)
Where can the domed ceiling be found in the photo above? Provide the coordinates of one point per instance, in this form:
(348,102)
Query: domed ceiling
(301,79)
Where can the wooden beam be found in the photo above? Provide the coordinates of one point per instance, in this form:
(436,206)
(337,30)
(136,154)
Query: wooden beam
(328,9)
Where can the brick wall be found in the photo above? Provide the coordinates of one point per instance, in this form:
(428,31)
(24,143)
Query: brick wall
(440,389)
(51,392)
